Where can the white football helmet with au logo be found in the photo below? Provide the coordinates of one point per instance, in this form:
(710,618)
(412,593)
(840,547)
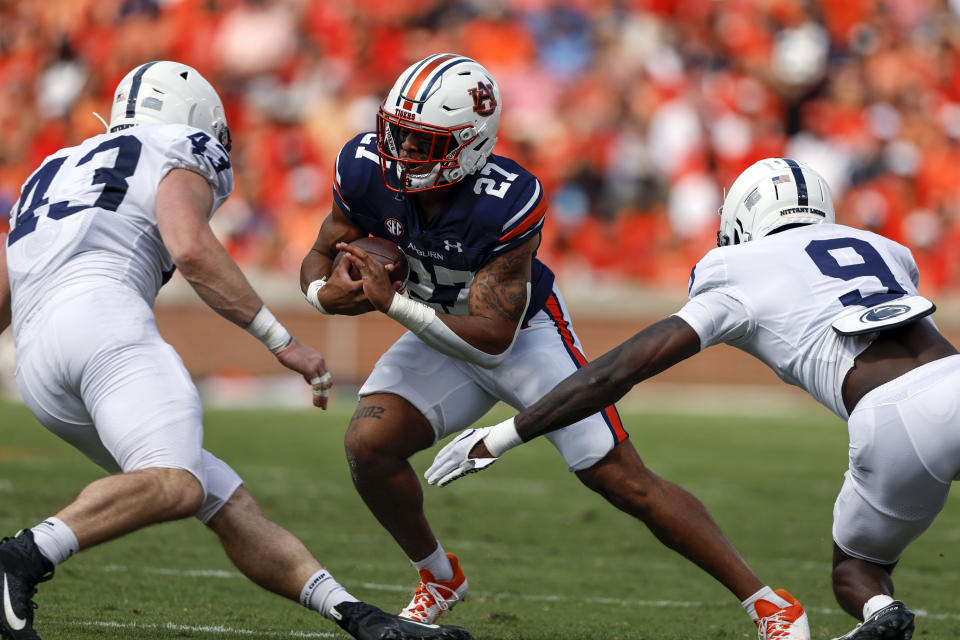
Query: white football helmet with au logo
(168,93)
(771,193)
(438,123)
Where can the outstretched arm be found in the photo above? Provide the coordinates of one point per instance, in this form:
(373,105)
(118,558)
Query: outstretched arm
(605,380)
(184,200)
(590,389)
(496,305)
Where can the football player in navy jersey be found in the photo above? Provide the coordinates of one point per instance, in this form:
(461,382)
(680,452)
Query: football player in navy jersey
(486,322)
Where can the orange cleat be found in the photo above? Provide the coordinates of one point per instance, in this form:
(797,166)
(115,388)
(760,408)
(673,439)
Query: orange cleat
(433,597)
(781,623)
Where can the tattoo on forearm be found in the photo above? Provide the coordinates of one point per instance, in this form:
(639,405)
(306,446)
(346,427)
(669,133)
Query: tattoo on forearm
(501,287)
(368,412)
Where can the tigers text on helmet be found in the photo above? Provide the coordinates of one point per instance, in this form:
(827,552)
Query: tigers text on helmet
(438,123)
(164,92)
(771,193)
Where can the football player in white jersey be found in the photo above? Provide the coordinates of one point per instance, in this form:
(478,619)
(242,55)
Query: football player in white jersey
(96,232)
(486,322)
(831,309)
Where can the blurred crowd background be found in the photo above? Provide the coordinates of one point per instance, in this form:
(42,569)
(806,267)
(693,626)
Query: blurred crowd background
(634,113)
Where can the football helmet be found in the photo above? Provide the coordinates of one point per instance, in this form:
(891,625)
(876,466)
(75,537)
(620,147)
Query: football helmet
(771,193)
(169,93)
(438,123)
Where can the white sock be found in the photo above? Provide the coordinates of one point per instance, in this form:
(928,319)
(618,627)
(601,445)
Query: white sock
(55,540)
(766,593)
(437,563)
(874,604)
(322,593)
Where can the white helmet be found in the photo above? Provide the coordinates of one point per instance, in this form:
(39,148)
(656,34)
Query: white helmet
(167,92)
(452,105)
(772,193)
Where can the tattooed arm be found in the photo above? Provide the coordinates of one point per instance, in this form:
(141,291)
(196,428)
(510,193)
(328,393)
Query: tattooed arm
(496,304)
(497,301)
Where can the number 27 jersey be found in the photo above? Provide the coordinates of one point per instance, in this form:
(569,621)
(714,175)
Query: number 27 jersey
(776,298)
(487,214)
(88,213)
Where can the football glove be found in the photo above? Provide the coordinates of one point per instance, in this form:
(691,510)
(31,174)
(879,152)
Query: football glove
(452,461)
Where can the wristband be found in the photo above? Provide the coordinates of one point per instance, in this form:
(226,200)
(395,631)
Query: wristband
(502,437)
(268,330)
(414,315)
(311,295)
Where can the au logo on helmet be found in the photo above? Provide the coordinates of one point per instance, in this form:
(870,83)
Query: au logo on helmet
(484,102)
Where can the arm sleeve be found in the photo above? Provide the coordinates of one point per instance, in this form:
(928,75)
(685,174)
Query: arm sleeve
(715,310)
(195,150)
(716,316)
(357,166)
(526,220)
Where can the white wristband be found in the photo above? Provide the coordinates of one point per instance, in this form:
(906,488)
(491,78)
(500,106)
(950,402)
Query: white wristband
(502,437)
(414,315)
(311,295)
(268,330)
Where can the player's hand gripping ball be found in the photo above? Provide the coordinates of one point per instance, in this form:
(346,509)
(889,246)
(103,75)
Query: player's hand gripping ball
(385,252)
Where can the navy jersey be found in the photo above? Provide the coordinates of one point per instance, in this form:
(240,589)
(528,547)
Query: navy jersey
(497,209)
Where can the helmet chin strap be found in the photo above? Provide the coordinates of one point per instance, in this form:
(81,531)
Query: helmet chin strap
(102,121)
(402,169)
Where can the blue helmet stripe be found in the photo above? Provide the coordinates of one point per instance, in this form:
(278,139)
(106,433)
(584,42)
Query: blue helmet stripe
(436,78)
(412,75)
(803,199)
(135,89)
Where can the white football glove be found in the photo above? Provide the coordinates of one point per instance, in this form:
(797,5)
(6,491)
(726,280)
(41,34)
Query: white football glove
(452,462)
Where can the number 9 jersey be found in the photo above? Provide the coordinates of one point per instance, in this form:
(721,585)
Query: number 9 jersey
(497,209)
(776,298)
(88,213)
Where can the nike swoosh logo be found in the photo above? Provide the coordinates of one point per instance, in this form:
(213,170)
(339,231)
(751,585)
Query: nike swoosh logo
(423,624)
(14,622)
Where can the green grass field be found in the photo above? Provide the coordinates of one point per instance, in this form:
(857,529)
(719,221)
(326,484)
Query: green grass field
(546,559)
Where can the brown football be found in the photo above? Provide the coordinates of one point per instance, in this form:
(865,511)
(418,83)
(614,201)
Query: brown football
(385,252)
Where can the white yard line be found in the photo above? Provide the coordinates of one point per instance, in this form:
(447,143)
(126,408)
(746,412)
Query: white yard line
(546,597)
(218,629)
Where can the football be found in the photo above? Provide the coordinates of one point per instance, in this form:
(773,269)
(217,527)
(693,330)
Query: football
(385,252)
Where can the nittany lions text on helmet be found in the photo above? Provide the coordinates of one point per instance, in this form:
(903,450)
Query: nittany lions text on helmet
(446,109)
(164,92)
(771,193)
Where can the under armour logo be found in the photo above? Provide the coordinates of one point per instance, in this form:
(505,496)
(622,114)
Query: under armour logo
(447,245)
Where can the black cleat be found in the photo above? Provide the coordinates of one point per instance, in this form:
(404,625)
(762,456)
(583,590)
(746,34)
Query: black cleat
(22,566)
(893,622)
(366,622)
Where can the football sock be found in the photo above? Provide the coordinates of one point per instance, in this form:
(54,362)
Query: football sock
(322,593)
(766,593)
(874,604)
(55,540)
(437,563)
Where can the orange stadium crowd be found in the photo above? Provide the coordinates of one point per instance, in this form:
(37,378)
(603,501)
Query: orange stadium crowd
(633,113)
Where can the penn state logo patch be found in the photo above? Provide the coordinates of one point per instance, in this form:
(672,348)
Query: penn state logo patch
(884,312)
(394,227)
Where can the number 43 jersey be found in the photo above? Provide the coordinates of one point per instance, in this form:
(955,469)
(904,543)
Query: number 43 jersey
(87,215)
(487,214)
(776,299)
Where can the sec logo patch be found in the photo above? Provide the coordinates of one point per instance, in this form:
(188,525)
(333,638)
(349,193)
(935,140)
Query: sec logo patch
(393,226)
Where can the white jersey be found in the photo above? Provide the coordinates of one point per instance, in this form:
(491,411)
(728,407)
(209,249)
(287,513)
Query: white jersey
(88,214)
(776,298)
